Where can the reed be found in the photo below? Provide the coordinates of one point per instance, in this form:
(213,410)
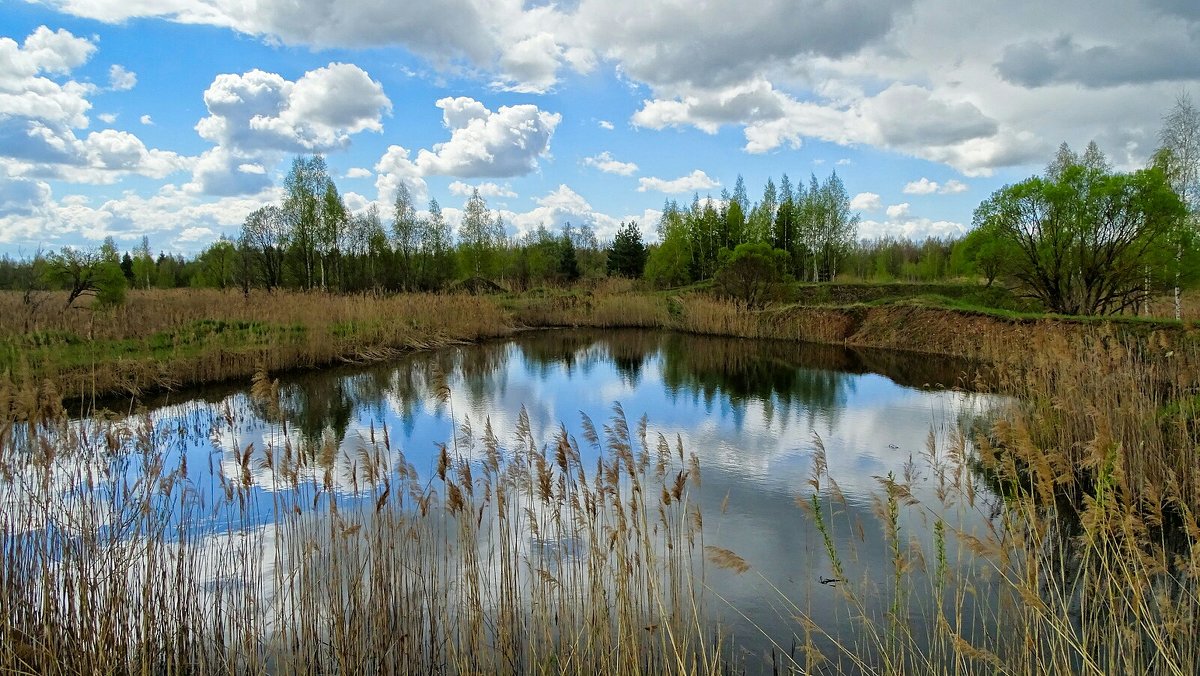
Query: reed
(510,558)
(166,339)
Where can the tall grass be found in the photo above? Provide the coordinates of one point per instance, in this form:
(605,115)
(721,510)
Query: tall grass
(165,339)
(510,558)
(1058,534)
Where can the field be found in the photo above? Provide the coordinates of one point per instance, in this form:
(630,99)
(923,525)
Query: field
(1095,547)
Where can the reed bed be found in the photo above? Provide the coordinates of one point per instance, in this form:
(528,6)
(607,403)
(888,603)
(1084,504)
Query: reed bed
(1059,533)
(509,558)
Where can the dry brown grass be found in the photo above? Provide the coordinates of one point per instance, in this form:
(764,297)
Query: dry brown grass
(172,338)
(515,559)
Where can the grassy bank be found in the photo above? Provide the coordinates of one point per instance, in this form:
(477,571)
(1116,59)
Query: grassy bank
(169,339)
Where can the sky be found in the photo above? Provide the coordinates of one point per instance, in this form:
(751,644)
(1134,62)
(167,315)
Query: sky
(174,119)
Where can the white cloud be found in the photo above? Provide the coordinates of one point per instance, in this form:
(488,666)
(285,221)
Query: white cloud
(485,189)
(107,118)
(259,111)
(989,92)
(531,65)
(483,143)
(39,116)
(564,205)
(866,201)
(605,124)
(146,120)
(120,79)
(605,162)
(693,182)
(358,172)
(256,117)
(394,169)
(953,187)
(916,229)
(895,211)
(923,186)
(174,219)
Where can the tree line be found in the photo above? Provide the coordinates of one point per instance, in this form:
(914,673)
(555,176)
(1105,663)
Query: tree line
(1081,239)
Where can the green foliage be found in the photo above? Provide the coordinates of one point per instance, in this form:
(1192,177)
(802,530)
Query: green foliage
(568,264)
(627,255)
(752,272)
(668,264)
(1083,240)
(80,272)
(480,238)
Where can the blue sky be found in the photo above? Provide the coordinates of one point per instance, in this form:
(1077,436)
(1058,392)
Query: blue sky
(174,119)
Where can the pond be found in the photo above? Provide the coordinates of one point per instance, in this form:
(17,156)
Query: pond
(778,430)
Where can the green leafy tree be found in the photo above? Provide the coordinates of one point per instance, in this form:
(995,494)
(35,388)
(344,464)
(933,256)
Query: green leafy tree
(87,272)
(627,254)
(1085,241)
(406,235)
(436,261)
(1179,158)
(480,237)
(265,235)
(304,189)
(670,263)
(752,272)
(217,265)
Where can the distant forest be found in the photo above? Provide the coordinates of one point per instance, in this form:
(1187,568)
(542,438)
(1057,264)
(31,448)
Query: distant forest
(312,241)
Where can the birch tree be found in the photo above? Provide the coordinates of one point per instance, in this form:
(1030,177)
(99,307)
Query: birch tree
(1179,157)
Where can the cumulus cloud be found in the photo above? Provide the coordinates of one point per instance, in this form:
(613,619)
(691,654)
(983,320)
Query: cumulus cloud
(897,210)
(260,111)
(174,219)
(39,116)
(916,229)
(395,169)
(693,182)
(906,118)
(860,72)
(924,186)
(605,124)
(146,120)
(256,117)
(22,196)
(563,205)
(606,163)
(500,144)
(358,172)
(107,118)
(866,201)
(531,65)
(120,79)
(707,110)
(486,189)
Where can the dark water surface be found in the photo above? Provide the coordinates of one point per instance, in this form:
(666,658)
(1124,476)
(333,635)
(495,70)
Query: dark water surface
(753,412)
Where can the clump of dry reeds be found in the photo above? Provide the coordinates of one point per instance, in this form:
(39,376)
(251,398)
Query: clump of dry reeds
(510,558)
(1061,534)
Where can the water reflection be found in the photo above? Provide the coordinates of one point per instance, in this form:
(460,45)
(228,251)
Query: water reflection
(753,412)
